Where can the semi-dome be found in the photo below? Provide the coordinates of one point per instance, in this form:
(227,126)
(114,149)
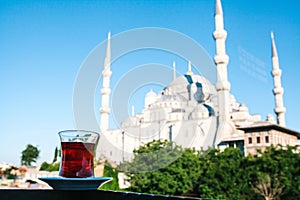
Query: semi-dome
(150,98)
(151,94)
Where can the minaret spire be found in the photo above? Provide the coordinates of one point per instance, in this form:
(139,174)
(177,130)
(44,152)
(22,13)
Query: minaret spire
(132,111)
(105,91)
(174,70)
(278,90)
(222,85)
(274,50)
(219,10)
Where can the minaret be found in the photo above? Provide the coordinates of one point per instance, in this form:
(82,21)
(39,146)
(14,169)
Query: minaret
(278,90)
(221,60)
(105,91)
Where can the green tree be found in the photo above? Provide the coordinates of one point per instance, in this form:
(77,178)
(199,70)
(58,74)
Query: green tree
(109,171)
(29,155)
(50,167)
(161,167)
(44,166)
(224,175)
(229,175)
(11,172)
(282,167)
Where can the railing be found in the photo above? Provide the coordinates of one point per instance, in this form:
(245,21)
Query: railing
(11,194)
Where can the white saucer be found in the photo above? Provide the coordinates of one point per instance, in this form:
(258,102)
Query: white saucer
(61,183)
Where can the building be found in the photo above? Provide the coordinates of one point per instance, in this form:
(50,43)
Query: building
(262,135)
(194,113)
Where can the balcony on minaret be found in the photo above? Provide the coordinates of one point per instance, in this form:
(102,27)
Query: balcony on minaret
(224,85)
(280,110)
(278,90)
(221,59)
(105,91)
(104,110)
(276,72)
(220,34)
(106,73)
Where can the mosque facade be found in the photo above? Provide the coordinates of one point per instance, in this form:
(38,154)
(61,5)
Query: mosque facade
(194,113)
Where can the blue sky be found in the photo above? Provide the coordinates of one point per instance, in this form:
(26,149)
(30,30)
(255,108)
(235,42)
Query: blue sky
(44,43)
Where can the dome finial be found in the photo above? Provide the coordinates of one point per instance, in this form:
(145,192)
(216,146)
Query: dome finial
(189,72)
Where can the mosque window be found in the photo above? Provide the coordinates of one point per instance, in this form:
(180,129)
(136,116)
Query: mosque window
(267,139)
(258,140)
(250,140)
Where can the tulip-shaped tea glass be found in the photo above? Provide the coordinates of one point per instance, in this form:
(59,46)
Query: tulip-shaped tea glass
(78,152)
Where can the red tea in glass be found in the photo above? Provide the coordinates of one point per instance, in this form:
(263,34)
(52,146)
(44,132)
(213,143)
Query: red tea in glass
(77,159)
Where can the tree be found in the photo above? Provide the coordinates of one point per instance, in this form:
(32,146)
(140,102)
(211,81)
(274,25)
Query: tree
(161,167)
(29,155)
(11,172)
(50,167)
(224,175)
(282,167)
(274,172)
(268,189)
(109,171)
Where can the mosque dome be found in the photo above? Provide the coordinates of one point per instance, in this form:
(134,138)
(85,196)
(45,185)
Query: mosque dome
(192,87)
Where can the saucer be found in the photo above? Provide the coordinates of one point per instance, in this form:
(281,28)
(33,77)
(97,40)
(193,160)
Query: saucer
(61,183)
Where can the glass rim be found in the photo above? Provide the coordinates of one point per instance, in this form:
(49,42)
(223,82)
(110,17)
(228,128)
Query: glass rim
(76,131)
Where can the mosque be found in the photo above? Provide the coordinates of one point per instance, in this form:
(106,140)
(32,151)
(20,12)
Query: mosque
(194,113)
